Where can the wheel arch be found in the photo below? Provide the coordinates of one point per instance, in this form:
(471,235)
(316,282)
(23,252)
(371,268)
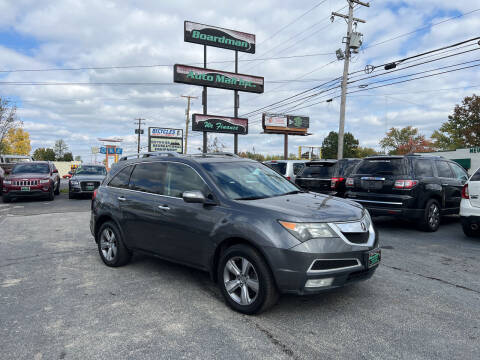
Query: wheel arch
(102,219)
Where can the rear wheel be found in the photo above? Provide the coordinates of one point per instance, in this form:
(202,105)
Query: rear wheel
(6,199)
(431,216)
(245,280)
(111,247)
(468,231)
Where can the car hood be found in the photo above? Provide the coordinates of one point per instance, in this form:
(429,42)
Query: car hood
(310,207)
(28,176)
(88,177)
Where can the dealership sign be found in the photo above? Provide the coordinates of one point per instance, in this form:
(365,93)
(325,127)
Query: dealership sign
(165,139)
(219,37)
(219,124)
(218,79)
(290,124)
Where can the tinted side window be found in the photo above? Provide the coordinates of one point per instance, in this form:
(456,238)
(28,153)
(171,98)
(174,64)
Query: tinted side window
(281,168)
(181,178)
(149,177)
(459,172)
(423,168)
(297,167)
(120,180)
(443,169)
(476,176)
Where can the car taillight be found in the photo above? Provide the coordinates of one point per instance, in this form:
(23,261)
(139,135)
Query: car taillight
(465,194)
(335,181)
(405,184)
(94,195)
(288,177)
(349,182)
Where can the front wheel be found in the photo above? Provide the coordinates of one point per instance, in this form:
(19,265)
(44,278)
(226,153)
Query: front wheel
(57,189)
(51,193)
(246,281)
(6,199)
(431,216)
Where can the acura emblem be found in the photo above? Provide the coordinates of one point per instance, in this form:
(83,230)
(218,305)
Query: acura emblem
(364,227)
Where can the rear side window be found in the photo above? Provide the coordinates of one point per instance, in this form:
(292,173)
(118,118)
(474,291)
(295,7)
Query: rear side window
(121,179)
(458,171)
(281,168)
(382,167)
(443,169)
(423,168)
(297,167)
(149,177)
(318,171)
(346,168)
(181,178)
(476,176)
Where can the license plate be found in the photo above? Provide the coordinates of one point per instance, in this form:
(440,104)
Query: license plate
(25,188)
(90,187)
(374,258)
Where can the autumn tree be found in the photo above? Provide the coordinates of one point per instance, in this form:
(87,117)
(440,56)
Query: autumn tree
(363,152)
(330,146)
(462,128)
(8,121)
(17,142)
(44,154)
(404,141)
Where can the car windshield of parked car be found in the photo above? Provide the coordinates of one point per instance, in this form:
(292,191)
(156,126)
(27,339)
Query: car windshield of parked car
(281,168)
(30,169)
(317,171)
(381,167)
(91,170)
(249,180)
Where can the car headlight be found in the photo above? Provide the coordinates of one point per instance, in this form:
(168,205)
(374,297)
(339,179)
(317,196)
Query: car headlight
(74,182)
(307,231)
(44,181)
(7,182)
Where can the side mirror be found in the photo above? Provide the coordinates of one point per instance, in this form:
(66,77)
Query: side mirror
(194,197)
(55,171)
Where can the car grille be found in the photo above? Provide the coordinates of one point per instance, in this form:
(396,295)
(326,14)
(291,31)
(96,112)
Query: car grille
(333,264)
(357,238)
(85,184)
(25,182)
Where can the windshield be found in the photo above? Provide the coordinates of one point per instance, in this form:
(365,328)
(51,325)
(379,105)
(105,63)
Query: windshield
(249,180)
(31,168)
(382,167)
(281,168)
(317,171)
(90,170)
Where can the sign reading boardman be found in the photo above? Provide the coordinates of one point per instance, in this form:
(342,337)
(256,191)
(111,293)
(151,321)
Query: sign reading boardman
(219,124)
(218,79)
(219,37)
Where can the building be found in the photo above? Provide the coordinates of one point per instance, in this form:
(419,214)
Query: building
(469,158)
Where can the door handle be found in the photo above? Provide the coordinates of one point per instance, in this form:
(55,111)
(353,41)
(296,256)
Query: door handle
(163,207)
(121,198)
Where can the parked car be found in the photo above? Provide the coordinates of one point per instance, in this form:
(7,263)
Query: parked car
(7,162)
(416,187)
(470,206)
(27,179)
(68,175)
(326,176)
(287,168)
(2,175)
(255,232)
(85,180)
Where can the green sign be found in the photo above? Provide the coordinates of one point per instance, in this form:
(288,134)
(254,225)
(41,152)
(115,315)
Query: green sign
(219,124)
(475,150)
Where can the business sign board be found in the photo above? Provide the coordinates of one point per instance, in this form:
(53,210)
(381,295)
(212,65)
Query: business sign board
(281,124)
(219,37)
(218,79)
(165,139)
(219,124)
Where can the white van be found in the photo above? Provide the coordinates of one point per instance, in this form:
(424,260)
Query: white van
(288,168)
(470,205)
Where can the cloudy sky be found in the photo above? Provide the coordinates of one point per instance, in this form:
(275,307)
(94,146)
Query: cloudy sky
(66,34)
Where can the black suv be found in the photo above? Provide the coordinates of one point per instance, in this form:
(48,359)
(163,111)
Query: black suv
(417,187)
(254,231)
(326,176)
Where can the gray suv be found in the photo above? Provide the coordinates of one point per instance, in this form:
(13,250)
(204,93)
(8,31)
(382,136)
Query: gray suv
(256,233)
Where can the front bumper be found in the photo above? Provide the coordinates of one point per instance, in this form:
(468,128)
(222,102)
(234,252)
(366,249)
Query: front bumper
(34,190)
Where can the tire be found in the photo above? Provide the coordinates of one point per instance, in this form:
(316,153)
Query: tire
(111,248)
(57,190)
(71,195)
(242,296)
(51,194)
(431,216)
(468,231)
(6,199)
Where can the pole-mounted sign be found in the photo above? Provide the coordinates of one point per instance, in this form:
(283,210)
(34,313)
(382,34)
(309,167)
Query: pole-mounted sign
(281,124)
(165,139)
(219,124)
(219,37)
(218,79)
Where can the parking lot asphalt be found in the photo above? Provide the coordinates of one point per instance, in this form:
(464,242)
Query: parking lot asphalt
(58,300)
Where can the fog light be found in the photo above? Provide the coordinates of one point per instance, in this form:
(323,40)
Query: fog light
(314,283)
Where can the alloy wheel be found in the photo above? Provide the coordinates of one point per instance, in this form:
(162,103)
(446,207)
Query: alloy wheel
(433,215)
(108,244)
(241,280)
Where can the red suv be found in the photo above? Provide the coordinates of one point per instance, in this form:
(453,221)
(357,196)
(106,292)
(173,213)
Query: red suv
(37,178)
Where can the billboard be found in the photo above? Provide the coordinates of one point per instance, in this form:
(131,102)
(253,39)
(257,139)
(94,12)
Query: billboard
(193,75)
(219,124)
(281,124)
(219,37)
(165,132)
(165,139)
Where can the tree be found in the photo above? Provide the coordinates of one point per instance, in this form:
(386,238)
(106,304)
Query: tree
(66,157)
(17,142)
(363,152)
(330,146)
(404,141)
(462,128)
(8,121)
(78,158)
(44,154)
(60,148)
(214,144)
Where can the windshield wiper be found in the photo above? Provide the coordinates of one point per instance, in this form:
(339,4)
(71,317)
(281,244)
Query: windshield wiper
(293,192)
(252,198)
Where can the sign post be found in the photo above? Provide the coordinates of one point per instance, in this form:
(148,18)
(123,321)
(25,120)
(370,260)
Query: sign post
(165,139)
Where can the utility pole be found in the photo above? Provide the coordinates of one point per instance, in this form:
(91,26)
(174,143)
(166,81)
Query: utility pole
(139,131)
(350,42)
(187,113)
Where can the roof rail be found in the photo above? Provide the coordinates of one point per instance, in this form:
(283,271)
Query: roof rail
(149,154)
(217,154)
